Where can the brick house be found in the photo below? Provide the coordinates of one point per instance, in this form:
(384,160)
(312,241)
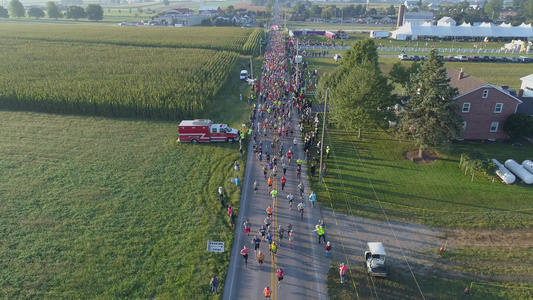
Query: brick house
(484,107)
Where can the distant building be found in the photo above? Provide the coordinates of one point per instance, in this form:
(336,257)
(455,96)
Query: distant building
(178,11)
(213,10)
(418,18)
(508,13)
(527,86)
(411,4)
(446,21)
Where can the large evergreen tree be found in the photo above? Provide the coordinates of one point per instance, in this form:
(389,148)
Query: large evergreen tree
(53,11)
(430,116)
(16,8)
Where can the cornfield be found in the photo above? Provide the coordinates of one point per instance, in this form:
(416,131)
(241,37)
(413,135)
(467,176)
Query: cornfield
(251,45)
(242,40)
(109,80)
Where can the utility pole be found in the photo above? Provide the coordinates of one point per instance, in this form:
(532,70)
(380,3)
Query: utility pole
(251,68)
(323,134)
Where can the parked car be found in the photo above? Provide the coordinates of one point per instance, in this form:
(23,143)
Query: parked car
(403,57)
(449,58)
(503,59)
(461,57)
(514,59)
(343,36)
(473,58)
(524,59)
(484,58)
(423,57)
(415,58)
(493,59)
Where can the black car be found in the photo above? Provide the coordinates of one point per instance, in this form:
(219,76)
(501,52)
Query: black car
(484,58)
(503,59)
(415,58)
(493,59)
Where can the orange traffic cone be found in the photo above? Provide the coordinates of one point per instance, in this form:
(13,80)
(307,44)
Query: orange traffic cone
(441,248)
(467,291)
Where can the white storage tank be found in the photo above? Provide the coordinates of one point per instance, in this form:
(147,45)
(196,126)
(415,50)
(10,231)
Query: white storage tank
(519,171)
(528,165)
(502,172)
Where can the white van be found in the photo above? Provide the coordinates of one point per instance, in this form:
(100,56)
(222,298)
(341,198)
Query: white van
(244,75)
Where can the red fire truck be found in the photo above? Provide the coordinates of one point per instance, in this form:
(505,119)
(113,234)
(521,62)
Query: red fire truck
(203,130)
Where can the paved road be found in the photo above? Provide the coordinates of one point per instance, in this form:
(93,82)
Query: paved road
(305,265)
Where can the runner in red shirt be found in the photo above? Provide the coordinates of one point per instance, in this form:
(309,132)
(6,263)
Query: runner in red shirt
(280,277)
(283,181)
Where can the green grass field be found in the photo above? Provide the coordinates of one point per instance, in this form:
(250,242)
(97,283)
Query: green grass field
(437,195)
(114,208)
(494,73)
(370,177)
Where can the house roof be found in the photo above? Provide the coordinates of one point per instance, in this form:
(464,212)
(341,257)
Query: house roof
(209,7)
(526,107)
(418,16)
(469,84)
(465,84)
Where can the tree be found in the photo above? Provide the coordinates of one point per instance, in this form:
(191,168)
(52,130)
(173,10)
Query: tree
(518,125)
(362,51)
(361,100)
(230,9)
(494,8)
(52,10)
(166,2)
(327,13)
(315,10)
(390,11)
(430,116)
(75,12)
(3,12)
(17,9)
(402,75)
(35,12)
(94,12)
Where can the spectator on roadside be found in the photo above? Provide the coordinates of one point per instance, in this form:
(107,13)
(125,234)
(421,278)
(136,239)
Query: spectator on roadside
(214,284)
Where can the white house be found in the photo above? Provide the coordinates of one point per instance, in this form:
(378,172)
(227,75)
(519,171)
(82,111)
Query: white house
(446,21)
(527,85)
(409,4)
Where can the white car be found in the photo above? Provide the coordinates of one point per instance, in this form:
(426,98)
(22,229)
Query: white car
(403,57)
(461,57)
(244,75)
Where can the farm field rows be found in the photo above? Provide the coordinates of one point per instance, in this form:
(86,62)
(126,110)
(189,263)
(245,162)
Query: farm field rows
(215,38)
(150,73)
(115,208)
(109,80)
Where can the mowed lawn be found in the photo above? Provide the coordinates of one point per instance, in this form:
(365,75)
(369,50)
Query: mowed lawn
(99,208)
(368,175)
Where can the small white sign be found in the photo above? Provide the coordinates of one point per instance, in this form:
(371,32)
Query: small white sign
(215,246)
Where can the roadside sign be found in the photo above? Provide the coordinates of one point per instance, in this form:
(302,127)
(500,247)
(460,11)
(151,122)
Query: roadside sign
(215,246)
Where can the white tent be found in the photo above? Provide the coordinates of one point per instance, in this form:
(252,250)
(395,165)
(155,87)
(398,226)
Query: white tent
(463,30)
